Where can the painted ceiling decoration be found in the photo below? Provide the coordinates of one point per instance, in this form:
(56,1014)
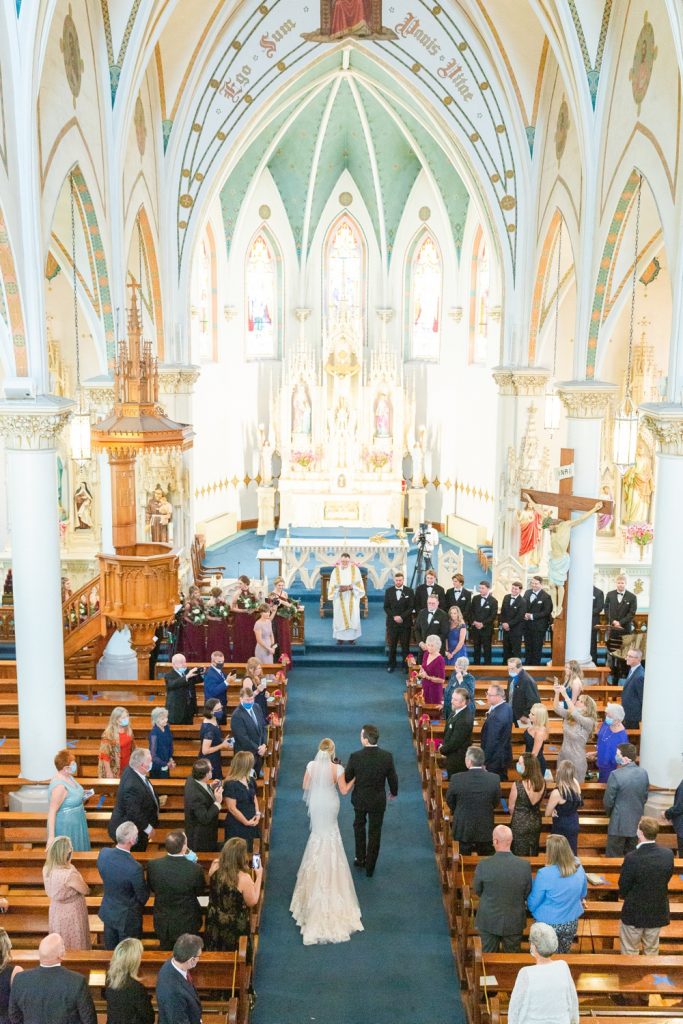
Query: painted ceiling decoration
(116,62)
(592,69)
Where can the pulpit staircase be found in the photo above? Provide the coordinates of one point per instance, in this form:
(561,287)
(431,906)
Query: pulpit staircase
(86,631)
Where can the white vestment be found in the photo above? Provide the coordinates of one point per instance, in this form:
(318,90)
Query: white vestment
(346,604)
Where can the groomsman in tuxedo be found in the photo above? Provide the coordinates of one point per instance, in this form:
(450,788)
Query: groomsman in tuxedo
(598,606)
(511,620)
(431,620)
(430,586)
(457,595)
(398,608)
(537,615)
(483,611)
(620,608)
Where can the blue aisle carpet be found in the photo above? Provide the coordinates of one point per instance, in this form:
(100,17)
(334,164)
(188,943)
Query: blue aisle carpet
(400,969)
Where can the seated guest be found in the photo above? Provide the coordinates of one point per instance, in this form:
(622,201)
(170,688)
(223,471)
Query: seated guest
(181,691)
(8,972)
(458,732)
(632,692)
(496,732)
(211,741)
(674,814)
(644,888)
(202,803)
(161,745)
(135,799)
(457,634)
(67,890)
(253,677)
(216,684)
(536,734)
(177,998)
(548,995)
(248,727)
(116,745)
(624,801)
(558,892)
(459,677)
(432,671)
(66,813)
(176,881)
(128,1001)
(522,692)
(50,992)
(125,891)
(243,816)
(564,803)
(473,797)
(502,883)
(232,892)
(611,734)
(525,807)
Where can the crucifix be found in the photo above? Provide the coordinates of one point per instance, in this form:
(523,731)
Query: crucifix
(565,502)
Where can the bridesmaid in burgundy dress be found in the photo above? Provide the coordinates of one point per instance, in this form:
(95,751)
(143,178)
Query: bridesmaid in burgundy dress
(244,604)
(286,608)
(432,671)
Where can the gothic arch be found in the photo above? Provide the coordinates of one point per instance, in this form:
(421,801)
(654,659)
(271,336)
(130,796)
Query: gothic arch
(10,298)
(412,251)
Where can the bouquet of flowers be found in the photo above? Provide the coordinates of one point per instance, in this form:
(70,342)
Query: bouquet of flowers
(218,610)
(641,534)
(247,602)
(304,457)
(287,611)
(195,614)
(377,458)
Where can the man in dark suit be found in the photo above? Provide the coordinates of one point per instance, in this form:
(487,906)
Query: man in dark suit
(538,610)
(215,684)
(496,733)
(458,732)
(473,797)
(176,881)
(373,769)
(432,620)
(522,692)
(177,997)
(125,891)
(248,728)
(624,801)
(598,606)
(202,802)
(620,608)
(457,595)
(51,993)
(643,886)
(430,586)
(502,883)
(398,608)
(511,621)
(632,693)
(483,611)
(181,693)
(136,800)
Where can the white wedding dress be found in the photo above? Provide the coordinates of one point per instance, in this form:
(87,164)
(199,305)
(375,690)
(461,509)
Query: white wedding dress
(324,904)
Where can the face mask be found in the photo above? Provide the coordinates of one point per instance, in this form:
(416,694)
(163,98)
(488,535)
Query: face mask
(513,675)
(123,722)
(249,705)
(520,768)
(618,758)
(191,855)
(73,767)
(608,720)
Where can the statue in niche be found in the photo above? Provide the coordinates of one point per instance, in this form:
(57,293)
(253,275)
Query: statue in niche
(301,410)
(637,487)
(606,519)
(158,515)
(382,416)
(265,457)
(83,507)
(341,430)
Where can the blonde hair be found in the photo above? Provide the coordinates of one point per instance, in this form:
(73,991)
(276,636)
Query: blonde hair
(251,666)
(591,710)
(112,730)
(328,746)
(558,852)
(278,579)
(574,670)
(124,963)
(5,948)
(242,763)
(540,713)
(232,860)
(566,781)
(59,854)
(456,615)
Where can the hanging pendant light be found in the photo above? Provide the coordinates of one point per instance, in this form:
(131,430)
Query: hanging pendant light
(80,421)
(626,419)
(553,404)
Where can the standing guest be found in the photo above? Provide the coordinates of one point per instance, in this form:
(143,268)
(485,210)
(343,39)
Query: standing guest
(547,995)
(346,591)
(181,691)
(460,597)
(215,683)
(116,746)
(202,801)
(458,732)
(632,692)
(564,803)
(432,673)
(431,621)
(558,892)
(211,741)
(473,797)
(50,992)
(426,589)
(125,891)
(674,814)
(232,893)
(620,609)
(459,677)
(399,602)
(483,611)
(457,633)
(611,734)
(285,611)
(496,732)
(67,890)
(248,728)
(524,806)
(522,692)
(624,801)
(536,734)
(511,621)
(243,815)
(573,679)
(128,1001)
(598,607)
(537,615)
(8,972)
(161,745)
(502,883)
(643,886)
(177,998)
(263,633)
(253,677)
(580,722)
(66,813)
(176,881)
(244,604)
(136,800)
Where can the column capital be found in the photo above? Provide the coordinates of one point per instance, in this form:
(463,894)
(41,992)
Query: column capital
(34,425)
(385,314)
(664,420)
(100,391)
(175,378)
(521,380)
(586,399)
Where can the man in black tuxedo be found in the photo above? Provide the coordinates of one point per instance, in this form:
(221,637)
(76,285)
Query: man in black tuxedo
(136,800)
(202,802)
(398,608)
(502,883)
(176,881)
(458,732)
(473,797)
(598,607)
(522,692)
(177,998)
(620,608)
(51,992)
(125,891)
(483,611)
(432,620)
(511,621)
(373,769)
(430,586)
(181,694)
(457,595)
(538,609)
(248,727)
(643,886)
(215,684)
(496,732)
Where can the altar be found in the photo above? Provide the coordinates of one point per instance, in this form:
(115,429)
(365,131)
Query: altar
(306,556)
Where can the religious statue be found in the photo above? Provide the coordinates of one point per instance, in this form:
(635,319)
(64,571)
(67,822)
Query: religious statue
(558,560)
(265,457)
(301,410)
(341,432)
(158,515)
(83,507)
(605,519)
(530,520)
(382,416)
(637,487)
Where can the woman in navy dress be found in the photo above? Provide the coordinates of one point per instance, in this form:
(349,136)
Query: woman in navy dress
(161,745)
(536,733)
(243,815)
(211,742)
(564,803)
(457,633)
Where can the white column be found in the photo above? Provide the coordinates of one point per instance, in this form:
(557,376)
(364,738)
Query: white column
(31,430)
(586,403)
(661,745)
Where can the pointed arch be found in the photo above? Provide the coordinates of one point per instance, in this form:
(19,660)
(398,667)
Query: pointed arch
(344,267)
(10,299)
(263,296)
(550,241)
(423,291)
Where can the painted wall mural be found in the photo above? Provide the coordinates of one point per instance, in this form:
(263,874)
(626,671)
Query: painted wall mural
(71,51)
(643,61)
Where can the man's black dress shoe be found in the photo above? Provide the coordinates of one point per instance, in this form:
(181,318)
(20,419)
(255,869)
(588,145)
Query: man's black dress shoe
(390,669)
(359,863)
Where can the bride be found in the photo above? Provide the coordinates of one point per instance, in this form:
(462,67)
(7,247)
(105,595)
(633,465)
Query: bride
(324,904)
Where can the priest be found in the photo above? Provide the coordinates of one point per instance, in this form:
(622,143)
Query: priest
(346,590)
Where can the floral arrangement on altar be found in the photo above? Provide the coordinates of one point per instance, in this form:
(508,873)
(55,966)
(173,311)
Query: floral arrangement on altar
(304,457)
(377,458)
(641,534)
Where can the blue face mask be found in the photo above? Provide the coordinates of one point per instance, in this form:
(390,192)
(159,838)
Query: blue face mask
(608,720)
(619,758)
(248,706)
(520,768)
(191,855)
(123,722)
(513,675)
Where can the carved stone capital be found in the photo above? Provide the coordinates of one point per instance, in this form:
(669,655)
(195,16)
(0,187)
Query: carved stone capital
(174,378)
(34,425)
(302,313)
(385,314)
(586,400)
(100,392)
(665,423)
(521,380)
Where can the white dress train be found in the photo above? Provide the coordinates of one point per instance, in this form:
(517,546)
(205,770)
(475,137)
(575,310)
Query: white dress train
(324,903)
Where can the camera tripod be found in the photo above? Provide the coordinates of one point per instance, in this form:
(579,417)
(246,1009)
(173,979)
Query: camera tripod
(423,562)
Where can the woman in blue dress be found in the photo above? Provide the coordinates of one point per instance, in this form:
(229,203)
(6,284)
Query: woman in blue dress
(457,633)
(536,733)
(66,813)
(611,734)
(211,742)
(459,677)
(161,745)
(564,803)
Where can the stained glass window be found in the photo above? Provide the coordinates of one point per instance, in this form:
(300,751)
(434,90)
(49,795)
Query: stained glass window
(345,272)
(425,312)
(261,289)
